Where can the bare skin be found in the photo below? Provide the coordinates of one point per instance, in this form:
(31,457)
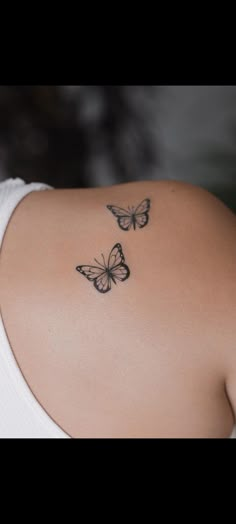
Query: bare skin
(156,355)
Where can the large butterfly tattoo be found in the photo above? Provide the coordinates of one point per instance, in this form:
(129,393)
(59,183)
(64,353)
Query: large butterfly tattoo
(127,218)
(104,274)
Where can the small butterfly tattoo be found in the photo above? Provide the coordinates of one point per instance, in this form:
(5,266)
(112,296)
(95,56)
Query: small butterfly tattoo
(104,274)
(127,218)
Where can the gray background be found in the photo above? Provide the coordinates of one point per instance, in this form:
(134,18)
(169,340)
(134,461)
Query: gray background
(194,128)
(195,132)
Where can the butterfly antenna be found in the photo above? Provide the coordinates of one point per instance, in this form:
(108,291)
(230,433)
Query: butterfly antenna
(99,263)
(104,260)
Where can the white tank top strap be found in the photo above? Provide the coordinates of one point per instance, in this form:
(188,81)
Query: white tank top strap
(21,415)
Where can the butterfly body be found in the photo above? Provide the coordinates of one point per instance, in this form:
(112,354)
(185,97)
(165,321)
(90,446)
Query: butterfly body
(110,275)
(132,217)
(104,274)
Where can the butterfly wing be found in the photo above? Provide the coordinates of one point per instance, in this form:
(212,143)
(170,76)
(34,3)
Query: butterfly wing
(124,217)
(116,257)
(103,283)
(98,275)
(144,207)
(116,266)
(141,216)
(120,273)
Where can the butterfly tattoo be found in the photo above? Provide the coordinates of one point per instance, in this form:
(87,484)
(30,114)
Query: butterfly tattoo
(104,274)
(127,218)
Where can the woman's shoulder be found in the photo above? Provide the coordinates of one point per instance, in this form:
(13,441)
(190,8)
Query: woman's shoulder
(109,288)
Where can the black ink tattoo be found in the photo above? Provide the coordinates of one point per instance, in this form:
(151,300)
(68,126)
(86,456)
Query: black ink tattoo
(103,275)
(127,218)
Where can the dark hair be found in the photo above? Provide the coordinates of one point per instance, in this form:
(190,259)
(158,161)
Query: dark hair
(63,135)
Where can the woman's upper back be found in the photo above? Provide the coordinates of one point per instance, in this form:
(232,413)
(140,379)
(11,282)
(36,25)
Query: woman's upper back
(153,357)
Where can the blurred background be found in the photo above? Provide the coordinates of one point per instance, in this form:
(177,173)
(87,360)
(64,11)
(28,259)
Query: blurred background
(85,136)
